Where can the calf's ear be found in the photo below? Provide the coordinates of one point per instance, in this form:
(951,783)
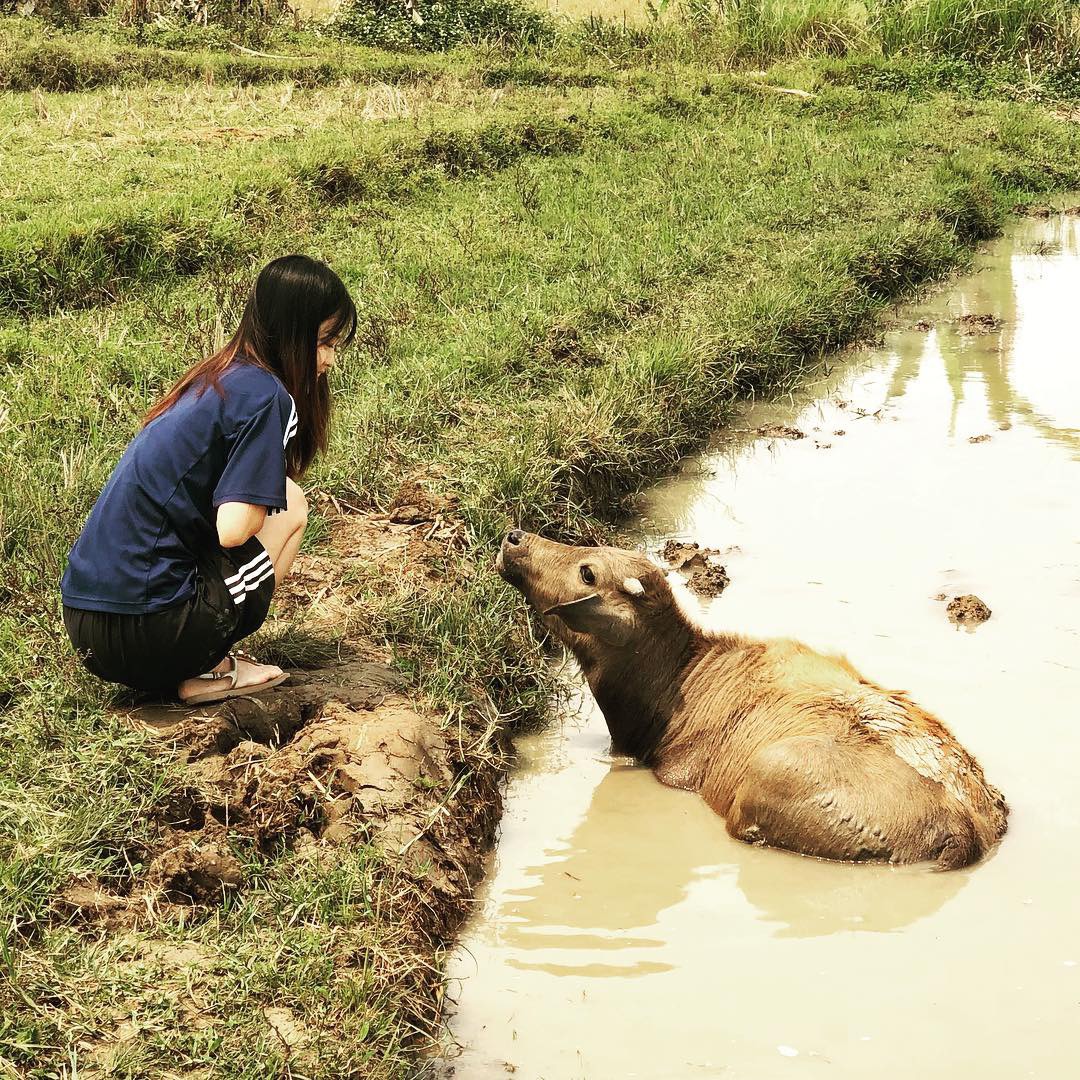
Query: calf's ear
(591,616)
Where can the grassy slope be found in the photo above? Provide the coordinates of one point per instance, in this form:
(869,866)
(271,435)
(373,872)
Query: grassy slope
(548,328)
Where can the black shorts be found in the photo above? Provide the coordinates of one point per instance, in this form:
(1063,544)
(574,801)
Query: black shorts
(233,590)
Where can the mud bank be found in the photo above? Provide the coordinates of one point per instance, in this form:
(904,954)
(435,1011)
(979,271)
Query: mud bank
(340,756)
(336,756)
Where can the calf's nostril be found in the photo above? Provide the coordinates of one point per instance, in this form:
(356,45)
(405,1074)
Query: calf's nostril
(515,536)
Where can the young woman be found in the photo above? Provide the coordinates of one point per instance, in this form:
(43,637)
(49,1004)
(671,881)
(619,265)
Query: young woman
(202,517)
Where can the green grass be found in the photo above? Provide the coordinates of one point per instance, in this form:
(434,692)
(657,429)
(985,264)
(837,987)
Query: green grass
(306,939)
(145,208)
(971,29)
(1022,35)
(767,29)
(989,29)
(562,289)
(37,56)
(33,56)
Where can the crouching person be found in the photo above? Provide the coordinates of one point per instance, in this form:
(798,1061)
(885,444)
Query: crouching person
(202,517)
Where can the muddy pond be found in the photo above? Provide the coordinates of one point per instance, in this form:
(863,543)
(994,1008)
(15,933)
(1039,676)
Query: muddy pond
(622,933)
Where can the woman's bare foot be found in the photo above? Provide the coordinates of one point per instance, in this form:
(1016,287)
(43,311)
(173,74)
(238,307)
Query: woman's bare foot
(250,676)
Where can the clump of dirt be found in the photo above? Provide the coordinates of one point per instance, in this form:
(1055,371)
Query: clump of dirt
(677,553)
(709,580)
(419,499)
(563,344)
(704,575)
(978,324)
(194,868)
(1040,210)
(686,555)
(979,438)
(88,901)
(780,431)
(352,770)
(968,610)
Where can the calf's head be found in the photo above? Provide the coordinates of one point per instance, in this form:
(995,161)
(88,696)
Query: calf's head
(605,597)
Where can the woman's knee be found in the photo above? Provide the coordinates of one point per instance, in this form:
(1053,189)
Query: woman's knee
(297,504)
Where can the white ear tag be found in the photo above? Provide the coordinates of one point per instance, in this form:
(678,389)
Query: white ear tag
(632,586)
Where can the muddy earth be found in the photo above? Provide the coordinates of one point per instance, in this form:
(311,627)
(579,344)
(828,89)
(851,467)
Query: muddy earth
(337,755)
(698,566)
(978,324)
(968,609)
(780,431)
(622,933)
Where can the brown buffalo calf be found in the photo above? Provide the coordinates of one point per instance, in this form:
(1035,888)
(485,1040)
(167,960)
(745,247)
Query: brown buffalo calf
(795,749)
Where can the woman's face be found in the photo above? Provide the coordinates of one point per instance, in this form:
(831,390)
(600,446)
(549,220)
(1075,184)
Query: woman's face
(326,355)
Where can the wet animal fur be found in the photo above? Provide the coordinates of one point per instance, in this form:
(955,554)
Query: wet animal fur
(795,749)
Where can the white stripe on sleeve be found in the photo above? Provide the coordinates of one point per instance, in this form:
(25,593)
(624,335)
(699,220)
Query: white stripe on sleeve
(292,425)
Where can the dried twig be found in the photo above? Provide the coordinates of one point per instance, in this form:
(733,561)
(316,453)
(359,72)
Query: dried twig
(265,55)
(790,91)
(802,95)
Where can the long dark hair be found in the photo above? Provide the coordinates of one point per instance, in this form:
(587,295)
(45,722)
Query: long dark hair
(279,330)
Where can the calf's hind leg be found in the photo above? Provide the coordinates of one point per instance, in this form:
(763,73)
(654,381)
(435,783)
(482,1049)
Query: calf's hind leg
(852,802)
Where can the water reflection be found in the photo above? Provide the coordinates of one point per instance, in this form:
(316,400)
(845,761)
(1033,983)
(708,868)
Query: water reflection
(1021,285)
(640,850)
(808,897)
(629,858)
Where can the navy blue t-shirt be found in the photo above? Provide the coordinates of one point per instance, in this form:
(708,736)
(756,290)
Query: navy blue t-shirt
(138,551)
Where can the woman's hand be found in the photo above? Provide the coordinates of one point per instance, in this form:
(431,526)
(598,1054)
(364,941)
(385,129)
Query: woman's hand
(238,522)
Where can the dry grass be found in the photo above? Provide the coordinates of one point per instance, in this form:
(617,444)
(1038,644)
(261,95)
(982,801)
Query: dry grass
(123,142)
(629,12)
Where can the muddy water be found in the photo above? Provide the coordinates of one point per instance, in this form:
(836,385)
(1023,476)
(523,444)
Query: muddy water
(624,934)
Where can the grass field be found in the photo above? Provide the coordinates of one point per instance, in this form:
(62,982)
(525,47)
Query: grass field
(568,262)
(619,11)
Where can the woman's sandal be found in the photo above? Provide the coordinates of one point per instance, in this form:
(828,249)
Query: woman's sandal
(212,696)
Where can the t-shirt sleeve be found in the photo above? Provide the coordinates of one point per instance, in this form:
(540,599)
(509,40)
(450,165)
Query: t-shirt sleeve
(255,466)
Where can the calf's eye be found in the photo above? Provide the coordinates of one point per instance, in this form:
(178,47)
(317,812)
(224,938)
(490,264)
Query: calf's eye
(588,576)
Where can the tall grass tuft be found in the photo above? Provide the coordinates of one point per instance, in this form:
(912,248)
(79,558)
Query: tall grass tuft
(989,29)
(760,31)
(767,29)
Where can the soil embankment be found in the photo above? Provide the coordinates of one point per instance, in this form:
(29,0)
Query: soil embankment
(339,756)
